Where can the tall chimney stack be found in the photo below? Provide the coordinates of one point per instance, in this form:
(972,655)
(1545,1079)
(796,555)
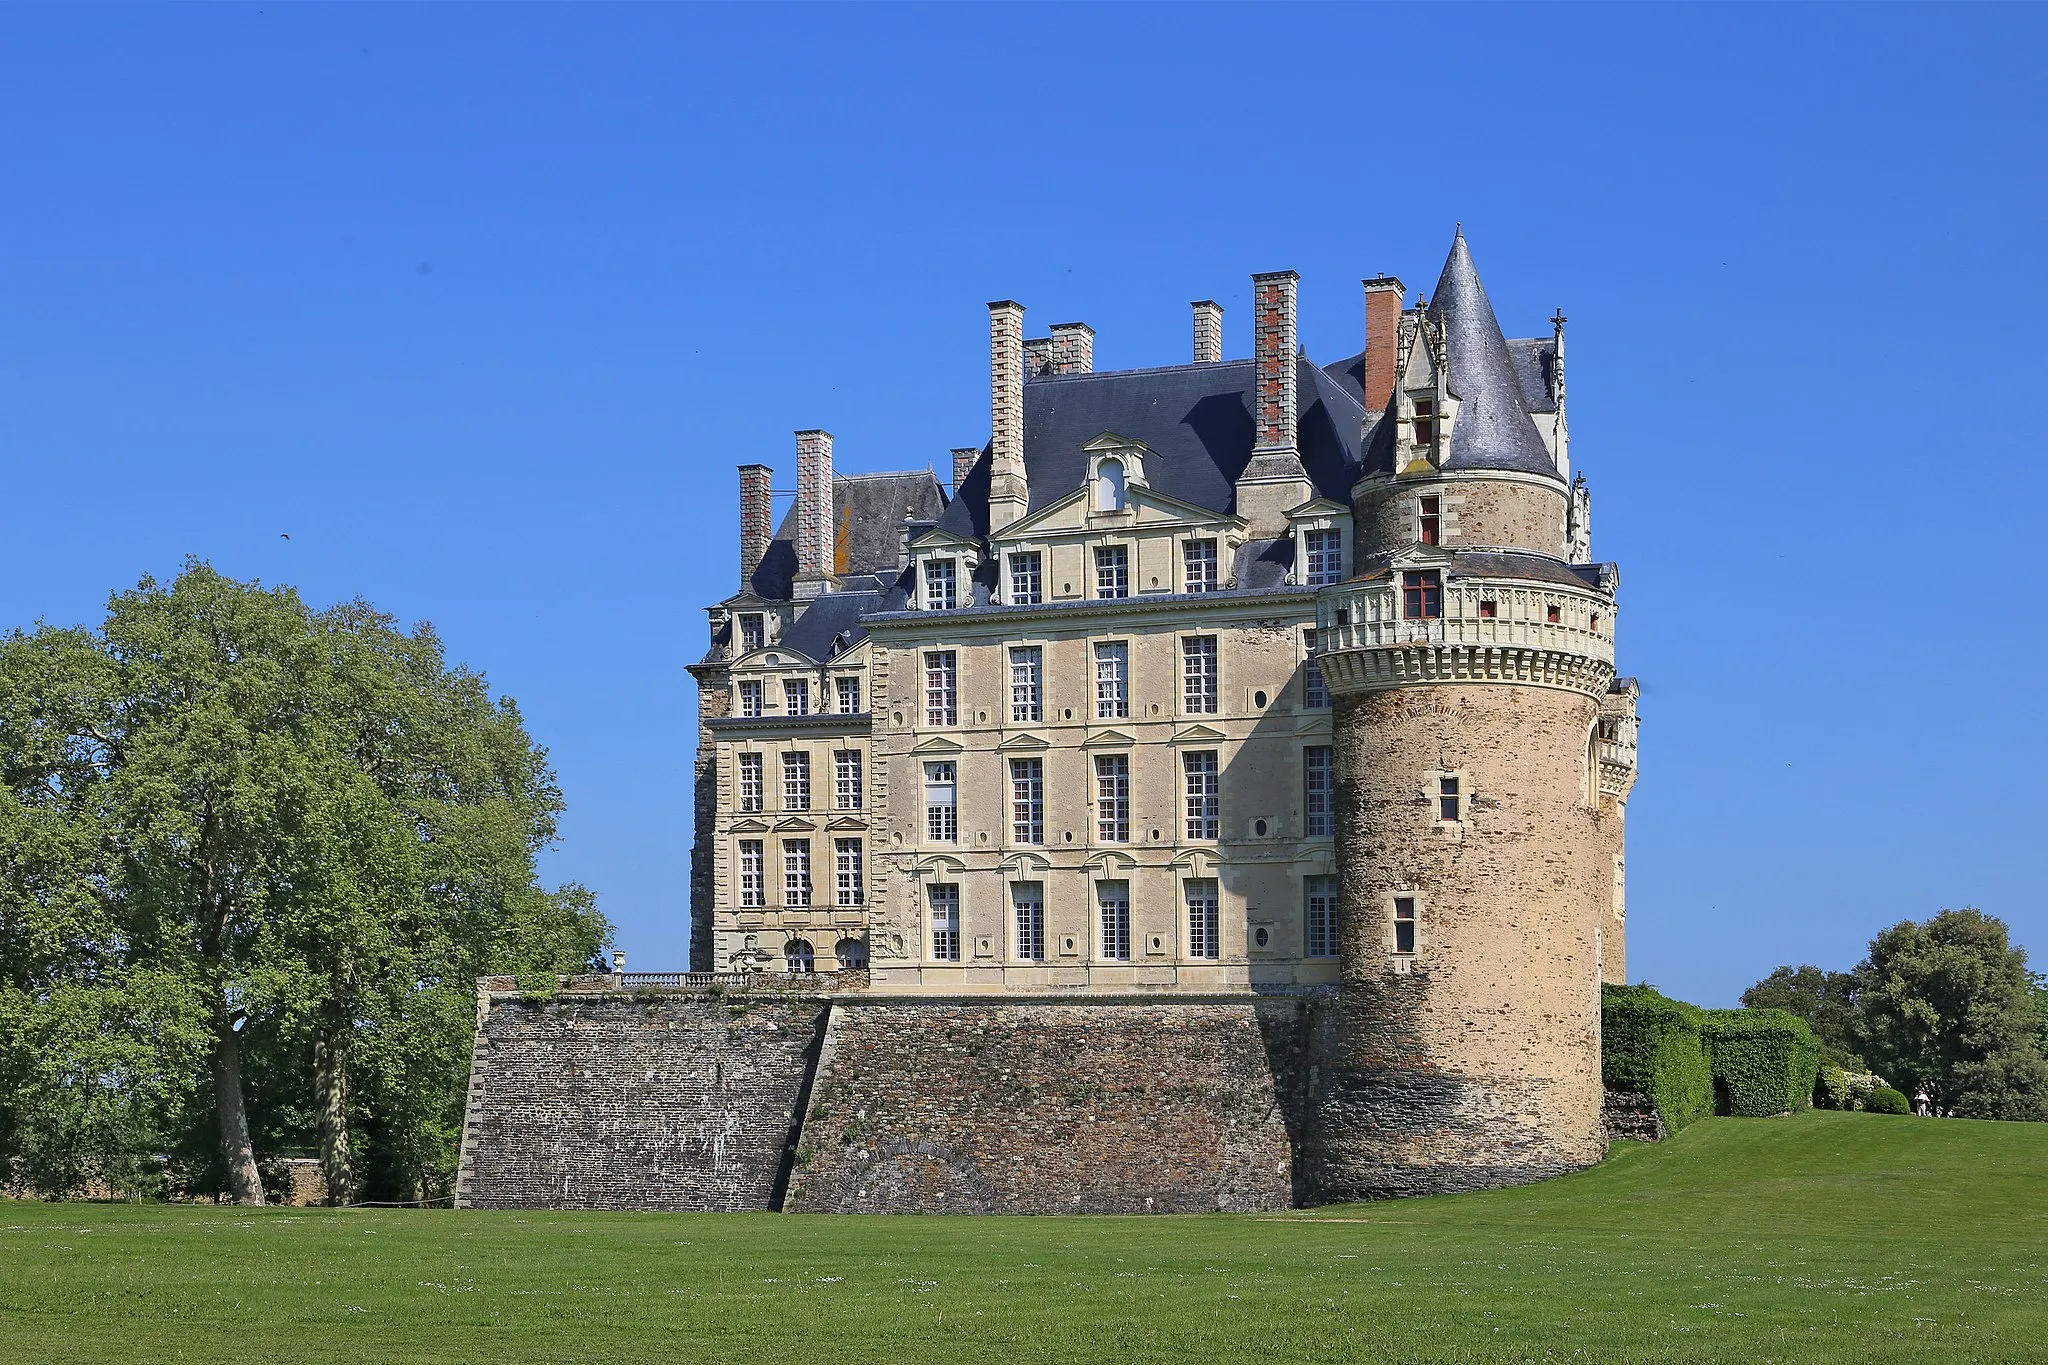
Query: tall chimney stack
(1073,348)
(1208,331)
(963,465)
(1383,295)
(1037,357)
(1276,340)
(1008,493)
(813,513)
(757,517)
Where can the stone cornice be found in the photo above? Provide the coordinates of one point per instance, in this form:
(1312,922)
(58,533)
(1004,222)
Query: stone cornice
(1381,668)
(826,722)
(1134,606)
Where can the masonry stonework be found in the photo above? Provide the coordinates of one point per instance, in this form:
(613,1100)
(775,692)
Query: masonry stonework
(1478,512)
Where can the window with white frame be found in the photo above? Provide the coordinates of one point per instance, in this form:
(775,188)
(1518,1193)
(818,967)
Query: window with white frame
(796,697)
(1205,937)
(1318,797)
(1112,571)
(1205,800)
(1026,588)
(1028,899)
(1112,681)
(1198,674)
(1320,936)
(848,695)
(1450,797)
(753,875)
(1113,911)
(944,901)
(1113,798)
(796,781)
(941,688)
(753,632)
(752,797)
(941,803)
(1198,561)
(846,783)
(940,585)
(750,698)
(847,870)
(796,872)
(1315,693)
(1027,800)
(799,958)
(1027,683)
(1407,921)
(1325,557)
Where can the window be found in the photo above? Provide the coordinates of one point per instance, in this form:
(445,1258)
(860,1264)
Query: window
(1325,557)
(1029,900)
(1422,594)
(1113,906)
(798,958)
(1025,587)
(1027,683)
(1112,571)
(848,696)
(796,697)
(846,869)
(941,690)
(1112,681)
(751,795)
(1425,421)
(1204,938)
(939,594)
(1321,938)
(750,698)
(1198,673)
(1199,557)
(753,634)
(1315,693)
(1027,800)
(852,954)
(1113,798)
(1553,613)
(753,875)
(1432,520)
(796,872)
(1404,924)
(945,906)
(941,803)
(1449,804)
(796,781)
(1318,808)
(1205,803)
(846,794)
(1488,610)
(1109,486)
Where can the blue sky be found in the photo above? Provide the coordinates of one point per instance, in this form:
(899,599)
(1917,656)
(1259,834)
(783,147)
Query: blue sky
(483,304)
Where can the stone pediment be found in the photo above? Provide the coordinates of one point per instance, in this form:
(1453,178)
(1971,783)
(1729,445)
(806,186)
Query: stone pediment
(1113,862)
(795,824)
(1026,863)
(1200,732)
(1108,739)
(1420,556)
(1024,740)
(752,825)
(937,744)
(848,821)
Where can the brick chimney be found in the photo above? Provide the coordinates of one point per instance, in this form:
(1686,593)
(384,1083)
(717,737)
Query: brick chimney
(1383,294)
(1008,493)
(1275,341)
(963,464)
(757,517)
(1208,331)
(1073,348)
(1037,357)
(813,513)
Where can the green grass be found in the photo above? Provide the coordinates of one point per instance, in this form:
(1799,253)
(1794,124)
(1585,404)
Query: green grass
(1824,1237)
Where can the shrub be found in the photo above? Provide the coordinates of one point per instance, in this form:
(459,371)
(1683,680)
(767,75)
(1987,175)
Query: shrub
(1831,1087)
(1885,1100)
(1651,1044)
(1764,1061)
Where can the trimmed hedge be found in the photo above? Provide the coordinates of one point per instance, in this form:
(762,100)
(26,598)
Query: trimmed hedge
(1691,1062)
(1885,1100)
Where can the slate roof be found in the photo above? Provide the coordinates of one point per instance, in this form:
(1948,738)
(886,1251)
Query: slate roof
(873,507)
(1195,419)
(1493,428)
(1498,564)
(1534,359)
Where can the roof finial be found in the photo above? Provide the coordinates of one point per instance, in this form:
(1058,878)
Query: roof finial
(1461,230)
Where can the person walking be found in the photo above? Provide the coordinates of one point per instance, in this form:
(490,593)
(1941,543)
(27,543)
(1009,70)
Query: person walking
(1921,1102)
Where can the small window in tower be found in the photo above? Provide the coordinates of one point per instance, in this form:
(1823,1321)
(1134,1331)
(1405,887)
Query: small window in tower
(1422,594)
(1404,924)
(1432,521)
(1595,627)
(1488,610)
(1448,800)
(1425,421)
(1553,613)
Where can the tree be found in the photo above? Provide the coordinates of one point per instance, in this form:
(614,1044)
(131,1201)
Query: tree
(264,840)
(1949,1005)
(1825,1000)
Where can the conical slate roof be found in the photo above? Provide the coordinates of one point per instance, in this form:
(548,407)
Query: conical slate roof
(1493,428)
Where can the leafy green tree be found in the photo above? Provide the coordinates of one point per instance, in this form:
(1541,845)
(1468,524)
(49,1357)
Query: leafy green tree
(1949,1005)
(251,848)
(1825,1000)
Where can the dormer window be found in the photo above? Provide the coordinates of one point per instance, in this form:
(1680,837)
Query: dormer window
(1199,557)
(1026,588)
(753,633)
(1325,557)
(1422,594)
(1109,486)
(940,585)
(1425,421)
(1112,571)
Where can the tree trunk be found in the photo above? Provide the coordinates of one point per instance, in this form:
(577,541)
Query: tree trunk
(330,1076)
(245,1185)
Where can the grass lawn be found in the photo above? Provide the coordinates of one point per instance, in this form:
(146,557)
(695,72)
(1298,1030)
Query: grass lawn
(1824,1237)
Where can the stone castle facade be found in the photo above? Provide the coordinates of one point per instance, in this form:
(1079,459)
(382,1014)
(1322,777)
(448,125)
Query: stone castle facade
(1235,745)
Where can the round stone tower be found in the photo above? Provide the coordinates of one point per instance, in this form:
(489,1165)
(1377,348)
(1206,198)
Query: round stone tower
(1470,660)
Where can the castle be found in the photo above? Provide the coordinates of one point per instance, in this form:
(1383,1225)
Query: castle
(1214,799)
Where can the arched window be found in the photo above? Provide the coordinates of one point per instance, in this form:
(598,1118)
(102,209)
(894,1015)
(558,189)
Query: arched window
(852,954)
(798,957)
(1109,486)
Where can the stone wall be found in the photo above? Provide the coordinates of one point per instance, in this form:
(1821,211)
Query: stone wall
(1492,510)
(1079,1106)
(623,1102)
